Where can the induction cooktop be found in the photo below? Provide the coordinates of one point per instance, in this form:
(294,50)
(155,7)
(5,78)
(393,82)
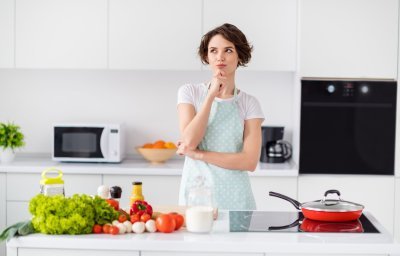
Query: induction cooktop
(268,221)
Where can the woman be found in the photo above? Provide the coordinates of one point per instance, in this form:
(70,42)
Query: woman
(220,125)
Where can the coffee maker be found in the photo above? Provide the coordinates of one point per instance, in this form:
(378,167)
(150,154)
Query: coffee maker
(273,148)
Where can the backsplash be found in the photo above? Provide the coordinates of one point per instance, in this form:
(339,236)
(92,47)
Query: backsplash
(144,100)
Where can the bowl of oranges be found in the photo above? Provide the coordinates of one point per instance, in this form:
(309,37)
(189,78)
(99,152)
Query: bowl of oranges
(157,152)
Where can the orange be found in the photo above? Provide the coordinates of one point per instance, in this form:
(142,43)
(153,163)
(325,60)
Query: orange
(159,144)
(170,145)
(147,145)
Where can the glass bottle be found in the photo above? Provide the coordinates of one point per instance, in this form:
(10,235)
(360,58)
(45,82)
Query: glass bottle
(136,192)
(200,211)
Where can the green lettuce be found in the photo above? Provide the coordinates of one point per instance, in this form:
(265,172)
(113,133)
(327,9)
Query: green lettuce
(69,215)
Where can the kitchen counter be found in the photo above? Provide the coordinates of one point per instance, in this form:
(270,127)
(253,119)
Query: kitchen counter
(218,241)
(136,166)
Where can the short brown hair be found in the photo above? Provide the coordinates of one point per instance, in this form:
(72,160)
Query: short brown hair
(233,35)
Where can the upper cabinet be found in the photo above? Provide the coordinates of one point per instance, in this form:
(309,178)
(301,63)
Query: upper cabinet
(7,33)
(154,34)
(61,34)
(270,25)
(349,38)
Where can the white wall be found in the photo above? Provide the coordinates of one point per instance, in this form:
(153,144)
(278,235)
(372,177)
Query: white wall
(144,100)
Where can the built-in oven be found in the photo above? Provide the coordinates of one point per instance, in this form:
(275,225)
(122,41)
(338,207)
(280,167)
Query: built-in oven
(347,126)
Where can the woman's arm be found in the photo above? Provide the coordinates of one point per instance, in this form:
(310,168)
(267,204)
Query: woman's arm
(246,160)
(193,126)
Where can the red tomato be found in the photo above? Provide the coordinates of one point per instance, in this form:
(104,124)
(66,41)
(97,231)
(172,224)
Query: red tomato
(165,223)
(114,230)
(106,228)
(145,217)
(122,218)
(97,229)
(179,219)
(135,218)
(113,203)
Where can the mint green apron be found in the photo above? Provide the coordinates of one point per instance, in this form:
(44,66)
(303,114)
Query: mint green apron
(231,188)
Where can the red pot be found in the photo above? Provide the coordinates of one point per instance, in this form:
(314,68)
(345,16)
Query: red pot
(333,210)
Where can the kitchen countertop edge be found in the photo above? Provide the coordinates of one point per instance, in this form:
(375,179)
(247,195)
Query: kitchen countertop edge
(173,167)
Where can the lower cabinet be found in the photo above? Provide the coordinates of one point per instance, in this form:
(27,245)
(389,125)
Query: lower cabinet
(3,210)
(199,254)
(66,252)
(283,185)
(375,192)
(397,211)
(21,187)
(157,190)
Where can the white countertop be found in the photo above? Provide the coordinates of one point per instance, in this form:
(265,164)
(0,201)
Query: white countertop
(220,240)
(36,164)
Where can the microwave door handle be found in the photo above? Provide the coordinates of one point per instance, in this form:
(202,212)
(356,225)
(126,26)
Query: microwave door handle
(104,142)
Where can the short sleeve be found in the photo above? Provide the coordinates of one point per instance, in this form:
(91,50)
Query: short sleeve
(253,108)
(186,94)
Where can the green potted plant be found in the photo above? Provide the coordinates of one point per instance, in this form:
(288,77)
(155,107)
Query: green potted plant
(11,138)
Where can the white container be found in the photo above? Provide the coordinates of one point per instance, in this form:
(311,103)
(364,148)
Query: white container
(199,219)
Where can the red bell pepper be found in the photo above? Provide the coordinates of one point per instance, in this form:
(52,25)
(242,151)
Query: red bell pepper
(140,207)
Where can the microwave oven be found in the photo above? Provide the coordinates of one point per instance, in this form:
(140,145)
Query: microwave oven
(88,143)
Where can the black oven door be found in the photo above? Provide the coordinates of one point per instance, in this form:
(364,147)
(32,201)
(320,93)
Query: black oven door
(348,127)
(78,142)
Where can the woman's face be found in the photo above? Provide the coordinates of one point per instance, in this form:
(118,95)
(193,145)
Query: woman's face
(222,55)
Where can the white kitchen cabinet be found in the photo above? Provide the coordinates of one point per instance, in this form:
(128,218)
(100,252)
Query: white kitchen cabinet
(283,185)
(349,38)
(73,184)
(269,25)
(157,190)
(61,34)
(3,210)
(58,252)
(7,33)
(375,192)
(154,34)
(21,187)
(397,211)
(144,253)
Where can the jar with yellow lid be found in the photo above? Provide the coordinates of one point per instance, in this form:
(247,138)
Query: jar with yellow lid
(51,186)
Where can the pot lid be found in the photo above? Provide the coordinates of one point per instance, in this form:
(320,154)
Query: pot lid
(332,205)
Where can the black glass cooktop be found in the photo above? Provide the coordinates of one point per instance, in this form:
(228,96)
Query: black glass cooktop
(266,221)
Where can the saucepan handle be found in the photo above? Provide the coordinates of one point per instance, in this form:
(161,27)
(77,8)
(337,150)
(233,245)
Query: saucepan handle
(296,203)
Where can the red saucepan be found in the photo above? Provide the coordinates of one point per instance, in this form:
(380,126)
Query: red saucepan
(334,210)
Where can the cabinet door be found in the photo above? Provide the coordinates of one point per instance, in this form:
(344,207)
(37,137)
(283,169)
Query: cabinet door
(270,25)
(198,254)
(2,210)
(73,252)
(349,38)
(397,211)
(7,33)
(154,34)
(376,193)
(73,184)
(61,34)
(157,190)
(17,211)
(283,185)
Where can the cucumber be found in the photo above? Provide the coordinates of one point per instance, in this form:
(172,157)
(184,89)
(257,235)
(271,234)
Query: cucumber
(26,228)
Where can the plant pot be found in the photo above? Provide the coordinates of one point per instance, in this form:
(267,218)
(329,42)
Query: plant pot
(6,155)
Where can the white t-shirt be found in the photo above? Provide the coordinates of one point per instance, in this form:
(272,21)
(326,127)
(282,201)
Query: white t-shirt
(194,94)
